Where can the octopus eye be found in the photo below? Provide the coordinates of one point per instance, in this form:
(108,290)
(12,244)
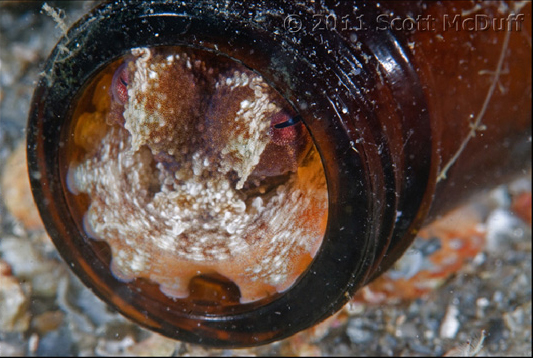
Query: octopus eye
(119,85)
(286,129)
(290,122)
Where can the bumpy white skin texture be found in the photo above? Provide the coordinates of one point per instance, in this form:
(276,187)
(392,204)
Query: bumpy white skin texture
(172,219)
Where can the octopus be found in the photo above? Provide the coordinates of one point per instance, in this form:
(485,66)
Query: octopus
(202,169)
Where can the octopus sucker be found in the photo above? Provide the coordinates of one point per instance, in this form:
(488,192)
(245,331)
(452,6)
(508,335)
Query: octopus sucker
(194,176)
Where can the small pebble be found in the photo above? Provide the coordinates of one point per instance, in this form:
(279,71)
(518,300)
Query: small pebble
(450,324)
(14,302)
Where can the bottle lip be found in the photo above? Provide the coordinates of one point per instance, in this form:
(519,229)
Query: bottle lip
(350,247)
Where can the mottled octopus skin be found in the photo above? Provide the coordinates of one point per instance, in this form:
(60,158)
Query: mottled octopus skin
(181,183)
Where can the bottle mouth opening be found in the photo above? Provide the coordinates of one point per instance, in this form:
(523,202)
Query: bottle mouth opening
(107,123)
(188,173)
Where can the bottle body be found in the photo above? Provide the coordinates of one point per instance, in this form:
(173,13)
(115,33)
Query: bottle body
(391,116)
(473,66)
(491,88)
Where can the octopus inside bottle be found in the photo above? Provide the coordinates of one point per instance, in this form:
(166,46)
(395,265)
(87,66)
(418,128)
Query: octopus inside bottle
(187,170)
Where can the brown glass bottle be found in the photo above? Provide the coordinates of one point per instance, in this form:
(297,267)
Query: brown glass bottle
(392,107)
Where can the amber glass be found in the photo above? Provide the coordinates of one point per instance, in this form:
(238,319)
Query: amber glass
(407,121)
